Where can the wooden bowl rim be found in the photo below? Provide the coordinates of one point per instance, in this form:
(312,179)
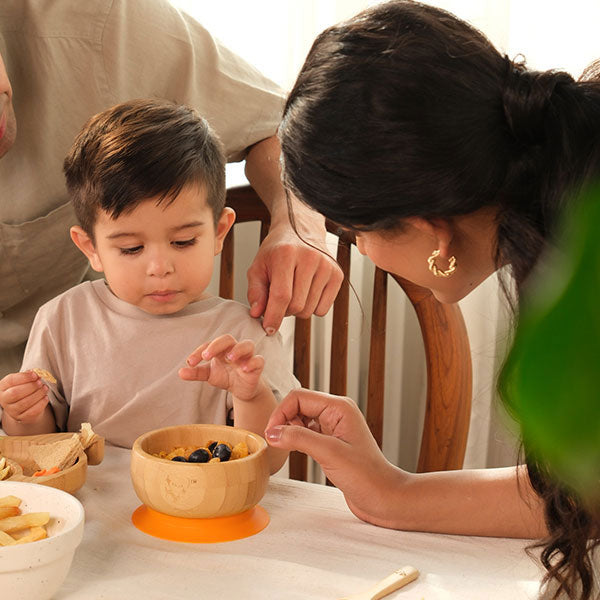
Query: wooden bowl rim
(137,445)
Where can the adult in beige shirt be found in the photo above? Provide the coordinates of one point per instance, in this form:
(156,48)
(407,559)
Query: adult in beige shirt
(64,61)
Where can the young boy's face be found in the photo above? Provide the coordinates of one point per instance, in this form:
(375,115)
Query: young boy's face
(158,257)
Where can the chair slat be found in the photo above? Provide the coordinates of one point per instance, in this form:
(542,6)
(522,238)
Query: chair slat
(338,369)
(226,272)
(376,383)
(449,380)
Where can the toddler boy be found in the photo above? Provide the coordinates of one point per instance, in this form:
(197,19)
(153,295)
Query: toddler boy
(147,181)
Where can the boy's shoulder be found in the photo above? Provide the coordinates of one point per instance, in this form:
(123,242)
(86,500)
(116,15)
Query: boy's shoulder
(78,294)
(232,315)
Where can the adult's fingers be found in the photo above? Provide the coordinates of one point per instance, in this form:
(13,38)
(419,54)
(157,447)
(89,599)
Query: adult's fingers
(258,287)
(281,288)
(300,402)
(329,293)
(325,449)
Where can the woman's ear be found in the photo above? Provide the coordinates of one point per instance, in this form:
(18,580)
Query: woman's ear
(224,224)
(83,241)
(440,231)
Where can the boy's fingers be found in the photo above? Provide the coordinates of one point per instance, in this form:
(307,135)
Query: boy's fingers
(200,373)
(196,356)
(242,350)
(17,379)
(256,363)
(33,411)
(218,346)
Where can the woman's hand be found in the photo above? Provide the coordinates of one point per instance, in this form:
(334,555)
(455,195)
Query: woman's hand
(334,432)
(229,365)
(23,396)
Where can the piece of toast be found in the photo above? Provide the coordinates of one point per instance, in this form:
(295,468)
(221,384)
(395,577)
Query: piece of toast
(61,454)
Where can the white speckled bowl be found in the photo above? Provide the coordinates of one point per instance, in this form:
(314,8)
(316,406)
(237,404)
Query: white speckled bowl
(37,570)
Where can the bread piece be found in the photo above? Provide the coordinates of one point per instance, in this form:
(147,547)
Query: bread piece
(61,454)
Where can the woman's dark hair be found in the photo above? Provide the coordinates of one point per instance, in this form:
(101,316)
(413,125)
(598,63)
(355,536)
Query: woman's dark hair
(138,150)
(404,111)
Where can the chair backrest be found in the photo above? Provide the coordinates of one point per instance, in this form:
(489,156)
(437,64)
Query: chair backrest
(447,350)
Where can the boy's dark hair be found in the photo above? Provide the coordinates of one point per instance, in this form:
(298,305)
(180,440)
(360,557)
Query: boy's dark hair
(142,149)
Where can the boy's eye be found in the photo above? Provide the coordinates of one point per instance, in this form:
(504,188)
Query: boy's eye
(184,243)
(132,250)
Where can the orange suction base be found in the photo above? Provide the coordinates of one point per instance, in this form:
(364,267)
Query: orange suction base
(200,531)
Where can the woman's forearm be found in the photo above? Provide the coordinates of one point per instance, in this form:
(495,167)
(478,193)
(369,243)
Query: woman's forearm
(486,502)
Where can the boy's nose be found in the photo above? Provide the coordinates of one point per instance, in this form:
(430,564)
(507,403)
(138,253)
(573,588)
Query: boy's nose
(159,266)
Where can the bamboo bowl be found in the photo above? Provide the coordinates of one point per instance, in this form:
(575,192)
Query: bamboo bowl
(16,450)
(199,491)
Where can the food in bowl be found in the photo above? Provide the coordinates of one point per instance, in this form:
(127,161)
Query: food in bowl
(214,451)
(17,527)
(207,490)
(38,569)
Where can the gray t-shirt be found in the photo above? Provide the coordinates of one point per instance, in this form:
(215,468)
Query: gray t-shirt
(117,365)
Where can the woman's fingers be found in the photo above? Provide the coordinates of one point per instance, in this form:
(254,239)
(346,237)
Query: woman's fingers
(325,449)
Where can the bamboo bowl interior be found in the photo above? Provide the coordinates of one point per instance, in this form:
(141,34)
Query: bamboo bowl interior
(195,490)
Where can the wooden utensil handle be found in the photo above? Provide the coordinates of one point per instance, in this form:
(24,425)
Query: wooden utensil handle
(393,582)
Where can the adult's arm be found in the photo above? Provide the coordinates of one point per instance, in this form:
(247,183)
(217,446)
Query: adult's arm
(331,429)
(293,272)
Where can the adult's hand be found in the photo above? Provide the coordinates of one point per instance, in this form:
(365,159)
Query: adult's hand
(334,432)
(290,277)
(293,272)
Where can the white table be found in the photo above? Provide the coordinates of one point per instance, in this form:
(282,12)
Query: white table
(312,548)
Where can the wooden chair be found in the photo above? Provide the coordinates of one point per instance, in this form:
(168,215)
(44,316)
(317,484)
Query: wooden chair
(447,351)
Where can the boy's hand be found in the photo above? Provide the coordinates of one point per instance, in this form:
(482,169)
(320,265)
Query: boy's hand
(230,365)
(23,396)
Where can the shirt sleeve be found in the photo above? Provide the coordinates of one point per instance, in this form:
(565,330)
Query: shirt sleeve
(277,373)
(42,352)
(153,50)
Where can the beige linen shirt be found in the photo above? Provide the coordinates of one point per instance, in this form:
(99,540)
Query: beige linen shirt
(117,365)
(68,60)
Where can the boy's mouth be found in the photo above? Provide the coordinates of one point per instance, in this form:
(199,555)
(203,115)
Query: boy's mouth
(163,295)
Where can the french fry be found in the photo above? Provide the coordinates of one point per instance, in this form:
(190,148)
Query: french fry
(10,501)
(6,540)
(11,524)
(4,468)
(35,534)
(9,511)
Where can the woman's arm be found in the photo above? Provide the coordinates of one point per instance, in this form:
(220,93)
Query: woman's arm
(331,429)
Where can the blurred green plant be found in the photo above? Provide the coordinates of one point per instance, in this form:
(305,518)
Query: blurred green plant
(551,379)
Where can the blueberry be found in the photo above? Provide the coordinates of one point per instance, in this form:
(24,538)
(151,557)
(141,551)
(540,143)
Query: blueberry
(201,455)
(222,451)
(212,445)
(179,459)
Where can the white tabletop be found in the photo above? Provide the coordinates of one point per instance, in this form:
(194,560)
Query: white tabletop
(313,547)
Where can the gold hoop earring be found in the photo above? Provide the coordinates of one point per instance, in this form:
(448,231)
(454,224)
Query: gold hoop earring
(436,270)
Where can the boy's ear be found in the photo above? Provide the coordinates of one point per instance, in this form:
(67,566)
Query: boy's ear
(224,224)
(83,241)
(440,231)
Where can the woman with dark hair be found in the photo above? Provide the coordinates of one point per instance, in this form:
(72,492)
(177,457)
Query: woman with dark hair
(448,160)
